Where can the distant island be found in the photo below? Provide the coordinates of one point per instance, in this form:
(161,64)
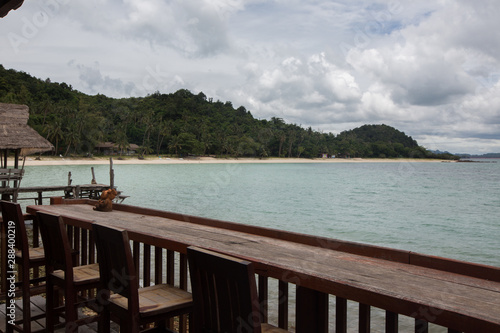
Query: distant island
(463,156)
(185,124)
(489,155)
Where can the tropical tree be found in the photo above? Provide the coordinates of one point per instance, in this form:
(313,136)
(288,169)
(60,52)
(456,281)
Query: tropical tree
(54,133)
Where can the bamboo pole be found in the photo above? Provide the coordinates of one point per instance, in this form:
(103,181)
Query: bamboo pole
(111,174)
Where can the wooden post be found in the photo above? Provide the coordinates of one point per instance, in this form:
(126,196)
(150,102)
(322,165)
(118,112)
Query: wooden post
(364,318)
(311,310)
(6,153)
(16,158)
(3,254)
(391,322)
(69,178)
(111,174)
(283,305)
(93,176)
(341,314)
(263,296)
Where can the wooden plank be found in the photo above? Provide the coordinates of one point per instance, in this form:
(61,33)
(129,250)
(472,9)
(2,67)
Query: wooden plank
(170,267)
(340,315)
(35,311)
(421,326)
(364,319)
(311,311)
(38,308)
(491,273)
(92,249)
(323,242)
(391,322)
(183,272)
(263,289)
(136,254)
(455,266)
(84,246)
(146,264)
(158,265)
(283,305)
(76,245)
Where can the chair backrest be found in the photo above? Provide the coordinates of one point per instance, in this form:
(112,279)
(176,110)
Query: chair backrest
(116,265)
(56,244)
(224,293)
(11,211)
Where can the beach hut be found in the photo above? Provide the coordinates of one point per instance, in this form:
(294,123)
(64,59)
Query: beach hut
(16,136)
(110,148)
(7,5)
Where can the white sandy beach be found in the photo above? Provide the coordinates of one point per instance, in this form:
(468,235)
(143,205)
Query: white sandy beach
(32,161)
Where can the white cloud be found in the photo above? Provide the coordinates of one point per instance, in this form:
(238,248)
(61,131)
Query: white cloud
(430,69)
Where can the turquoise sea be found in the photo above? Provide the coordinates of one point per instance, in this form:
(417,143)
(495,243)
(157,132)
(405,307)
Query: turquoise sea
(443,209)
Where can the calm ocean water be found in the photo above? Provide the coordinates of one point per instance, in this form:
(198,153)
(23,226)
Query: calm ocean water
(444,209)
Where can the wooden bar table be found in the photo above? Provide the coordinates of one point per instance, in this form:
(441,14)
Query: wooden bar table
(458,295)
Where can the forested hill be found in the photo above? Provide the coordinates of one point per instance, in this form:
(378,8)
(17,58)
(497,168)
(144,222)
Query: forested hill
(184,123)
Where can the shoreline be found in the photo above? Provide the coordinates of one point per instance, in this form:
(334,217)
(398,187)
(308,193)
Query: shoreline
(47,161)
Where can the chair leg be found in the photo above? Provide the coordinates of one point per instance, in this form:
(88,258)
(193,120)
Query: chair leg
(26,299)
(49,307)
(125,326)
(131,325)
(103,324)
(70,310)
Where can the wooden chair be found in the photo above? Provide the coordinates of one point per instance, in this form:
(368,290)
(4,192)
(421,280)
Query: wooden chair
(26,258)
(133,306)
(61,274)
(224,294)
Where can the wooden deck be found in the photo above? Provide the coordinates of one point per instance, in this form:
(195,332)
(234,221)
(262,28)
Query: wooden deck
(38,307)
(460,296)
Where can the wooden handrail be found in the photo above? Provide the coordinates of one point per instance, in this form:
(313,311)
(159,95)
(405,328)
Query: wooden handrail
(162,259)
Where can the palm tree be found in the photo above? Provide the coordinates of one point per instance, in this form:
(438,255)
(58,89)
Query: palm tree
(121,139)
(72,137)
(175,143)
(163,131)
(54,133)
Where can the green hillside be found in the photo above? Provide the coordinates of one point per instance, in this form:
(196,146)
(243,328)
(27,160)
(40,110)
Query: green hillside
(183,123)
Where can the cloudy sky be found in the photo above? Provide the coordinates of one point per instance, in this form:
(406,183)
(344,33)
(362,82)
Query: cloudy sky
(428,68)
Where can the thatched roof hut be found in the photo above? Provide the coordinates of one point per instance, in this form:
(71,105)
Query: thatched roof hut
(16,135)
(8,5)
(111,148)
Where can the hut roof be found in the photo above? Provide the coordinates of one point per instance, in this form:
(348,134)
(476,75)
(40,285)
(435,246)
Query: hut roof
(111,145)
(15,132)
(105,145)
(8,5)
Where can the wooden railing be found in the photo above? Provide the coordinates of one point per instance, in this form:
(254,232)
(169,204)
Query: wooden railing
(285,301)
(9,181)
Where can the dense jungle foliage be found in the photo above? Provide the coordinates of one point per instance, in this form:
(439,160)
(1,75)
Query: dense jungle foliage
(184,123)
